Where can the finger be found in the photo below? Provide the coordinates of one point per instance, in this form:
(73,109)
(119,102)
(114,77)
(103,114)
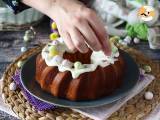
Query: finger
(89,36)
(78,40)
(68,41)
(98,27)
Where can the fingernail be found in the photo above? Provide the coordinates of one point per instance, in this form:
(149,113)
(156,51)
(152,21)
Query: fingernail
(85,49)
(107,52)
(98,48)
(73,50)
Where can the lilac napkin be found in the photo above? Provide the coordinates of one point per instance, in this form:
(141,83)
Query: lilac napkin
(38,104)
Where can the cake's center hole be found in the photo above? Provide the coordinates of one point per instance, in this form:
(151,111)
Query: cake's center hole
(83,58)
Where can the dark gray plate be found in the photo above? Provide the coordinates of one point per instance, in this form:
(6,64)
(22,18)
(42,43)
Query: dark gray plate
(29,83)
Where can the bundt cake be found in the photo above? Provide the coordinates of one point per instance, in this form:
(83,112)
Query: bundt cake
(77,76)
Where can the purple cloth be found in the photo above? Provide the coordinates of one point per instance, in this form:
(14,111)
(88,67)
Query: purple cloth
(38,104)
(142,76)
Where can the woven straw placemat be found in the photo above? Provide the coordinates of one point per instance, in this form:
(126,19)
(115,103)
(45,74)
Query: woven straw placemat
(135,109)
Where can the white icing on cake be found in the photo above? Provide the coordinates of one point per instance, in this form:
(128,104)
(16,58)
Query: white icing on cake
(97,59)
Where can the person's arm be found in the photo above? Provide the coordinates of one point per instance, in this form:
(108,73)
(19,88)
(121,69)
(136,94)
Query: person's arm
(78,25)
(41,5)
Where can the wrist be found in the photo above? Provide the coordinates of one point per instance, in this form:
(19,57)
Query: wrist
(64,6)
(41,5)
(56,6)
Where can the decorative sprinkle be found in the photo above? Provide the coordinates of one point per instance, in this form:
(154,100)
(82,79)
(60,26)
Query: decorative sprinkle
(61,40)
(148,95)
(26,38)
(23,49)
(67,63)
(29,34)
(120,41)
(53,51)
(54,26)
(19,64)
(78,65)
(114,49)
(55,42)
(54,36)
(58,59)
(52,48)
(124,43)
(147,68)
(13,86)
(116,54)
(136,40)
(128,39)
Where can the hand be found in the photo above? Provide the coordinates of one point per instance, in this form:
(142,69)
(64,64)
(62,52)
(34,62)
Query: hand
(78,25)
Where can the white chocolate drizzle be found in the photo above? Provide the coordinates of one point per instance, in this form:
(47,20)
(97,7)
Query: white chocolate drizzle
(97,59)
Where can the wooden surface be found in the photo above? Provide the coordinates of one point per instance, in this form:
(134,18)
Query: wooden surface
(11,42)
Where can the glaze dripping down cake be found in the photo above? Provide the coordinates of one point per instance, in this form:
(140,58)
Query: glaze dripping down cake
(77,76)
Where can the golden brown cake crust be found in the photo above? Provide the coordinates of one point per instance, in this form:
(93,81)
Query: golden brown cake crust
(88,86)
